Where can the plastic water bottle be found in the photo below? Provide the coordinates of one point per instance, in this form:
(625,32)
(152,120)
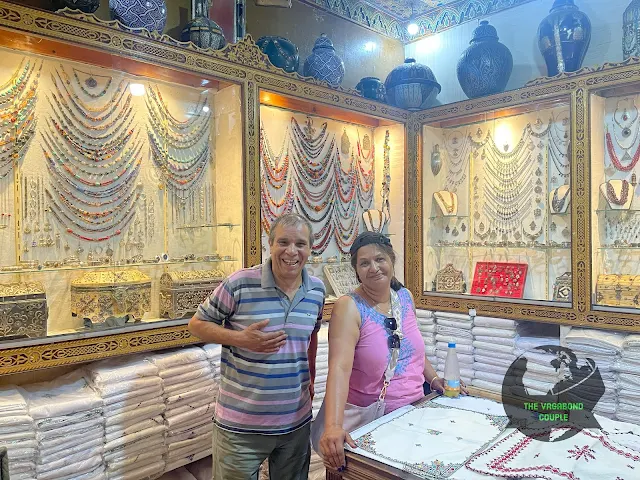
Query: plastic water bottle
(451,373)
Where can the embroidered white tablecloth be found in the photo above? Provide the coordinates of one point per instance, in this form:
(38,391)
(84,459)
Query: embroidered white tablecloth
(433,440)
(612,453)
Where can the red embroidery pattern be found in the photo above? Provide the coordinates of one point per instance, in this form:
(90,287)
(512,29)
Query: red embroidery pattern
(585,452)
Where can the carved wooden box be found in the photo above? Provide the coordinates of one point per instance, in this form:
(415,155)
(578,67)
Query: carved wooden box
(98,296)
(23,310)
(182,292)
(450,280)
(618,290)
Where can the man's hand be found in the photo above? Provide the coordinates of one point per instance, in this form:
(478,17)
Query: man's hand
(257,341)
(312,391)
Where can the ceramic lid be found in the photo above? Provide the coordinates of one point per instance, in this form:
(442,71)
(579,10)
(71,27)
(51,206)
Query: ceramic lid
(411,72)
(483,32)
(323,42)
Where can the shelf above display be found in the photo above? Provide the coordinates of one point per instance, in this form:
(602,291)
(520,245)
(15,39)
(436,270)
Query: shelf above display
(449,217)
(111,266)
(538,246)
(216,225)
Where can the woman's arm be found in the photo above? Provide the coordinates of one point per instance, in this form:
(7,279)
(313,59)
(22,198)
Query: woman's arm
(430,375)
(344,333)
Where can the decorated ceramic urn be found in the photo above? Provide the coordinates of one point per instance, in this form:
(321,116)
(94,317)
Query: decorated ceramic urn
(324,63)
(412,86)
(149,14)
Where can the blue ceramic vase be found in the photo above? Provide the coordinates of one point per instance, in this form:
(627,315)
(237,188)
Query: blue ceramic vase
(412,86)
(485,67)
(86,6)
(281,51)
(202,31)
(563,37)
(372,88)
(324,63)
(149,14)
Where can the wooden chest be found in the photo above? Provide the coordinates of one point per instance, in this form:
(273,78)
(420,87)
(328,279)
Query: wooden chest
(182,292)
(618,290)
(111,295)
(23,310)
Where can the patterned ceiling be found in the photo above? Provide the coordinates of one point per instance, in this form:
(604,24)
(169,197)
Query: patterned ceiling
(391,17)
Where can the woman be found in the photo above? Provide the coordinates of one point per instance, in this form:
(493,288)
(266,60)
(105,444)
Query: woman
(361,333)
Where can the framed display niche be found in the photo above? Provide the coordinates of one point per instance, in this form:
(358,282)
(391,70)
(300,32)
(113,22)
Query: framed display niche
(122,189)
(342,170)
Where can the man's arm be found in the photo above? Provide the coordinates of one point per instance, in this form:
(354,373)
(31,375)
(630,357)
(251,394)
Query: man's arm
(311,358)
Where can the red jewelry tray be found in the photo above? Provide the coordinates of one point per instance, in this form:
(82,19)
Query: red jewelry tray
(499,279)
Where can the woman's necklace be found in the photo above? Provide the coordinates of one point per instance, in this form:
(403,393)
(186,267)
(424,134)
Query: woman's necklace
(624,193)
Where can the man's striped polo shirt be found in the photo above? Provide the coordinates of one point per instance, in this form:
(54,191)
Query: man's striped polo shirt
(265,393)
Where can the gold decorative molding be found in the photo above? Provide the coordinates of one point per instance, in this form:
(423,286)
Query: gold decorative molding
(23,359)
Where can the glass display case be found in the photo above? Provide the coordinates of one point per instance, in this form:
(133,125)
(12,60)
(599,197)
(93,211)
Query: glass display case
(121,194)
(615,219)
(340,170)
(496,204)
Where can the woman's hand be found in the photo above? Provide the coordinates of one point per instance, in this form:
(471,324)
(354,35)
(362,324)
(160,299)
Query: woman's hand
(437,385)
(332,446)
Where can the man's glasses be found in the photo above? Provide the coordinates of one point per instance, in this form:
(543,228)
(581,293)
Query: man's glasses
(391,324)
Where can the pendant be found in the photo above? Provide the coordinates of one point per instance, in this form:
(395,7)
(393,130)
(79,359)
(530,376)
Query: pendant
(436,161)
(626,132)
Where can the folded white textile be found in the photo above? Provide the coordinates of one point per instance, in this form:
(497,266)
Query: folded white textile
(605,408)
(212,350)
(463,361)
(193,401)
(446,322)
(22,466)
(12,402)
(111,411)
(124,471)
(185,396)
(488,368)
(205,411)
(22,454)
(142,457)
(203,381)
(129,423)
(181,462)
(460,349)
(188,377)
(150,445)
(91,460)
(54,423)
(483,352)
(494,322)
(116,370)
(142,472)
(189,408)
(190,425)
(134,437)
(133,395)
(24,421)
(509,342)
(112,389)
(46,456)
(181,452)
(458,332)
(453,316)
(530,343)
(66,395)
(430,350)
(445,338)
(147,412)
(91,425)
(628,417)
(322,359)
(18,444)
(625,367)
(178,357)
(118,431)
(600,339)
(530,383)
(489,360)
(184,368)
(493,347)
(426,322)
(632,355)
(193,433)
(493,332)
(200,439)
(628,401)
(80,474)
(57,444)
(424,313)
(628,379)
(28,434)
(124,450)
(427,328)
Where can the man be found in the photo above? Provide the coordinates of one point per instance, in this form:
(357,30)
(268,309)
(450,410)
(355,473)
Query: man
(267,319)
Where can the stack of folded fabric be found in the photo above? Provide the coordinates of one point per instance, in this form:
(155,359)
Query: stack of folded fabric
(134,429)
(427,327)
(67,415)
(322,369)
(17,434)
(190,394)
(455,327)
(604,348)
(213,352)
(628,381)
(494,344)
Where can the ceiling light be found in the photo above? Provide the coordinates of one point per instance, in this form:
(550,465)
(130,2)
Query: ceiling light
(205,109)
(413,28)
(369,46)
(137,89)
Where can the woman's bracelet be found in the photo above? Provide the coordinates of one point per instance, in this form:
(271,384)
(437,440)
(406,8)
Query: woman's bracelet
(431,382)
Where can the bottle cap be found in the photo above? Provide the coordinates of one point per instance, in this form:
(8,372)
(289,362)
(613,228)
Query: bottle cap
(452,345)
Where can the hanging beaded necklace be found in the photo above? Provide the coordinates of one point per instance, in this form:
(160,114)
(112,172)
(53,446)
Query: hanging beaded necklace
(161,105)
(72,119)
(624,193)
(91,83)
(557,204)
(85,109)
(617,163)
(449,207)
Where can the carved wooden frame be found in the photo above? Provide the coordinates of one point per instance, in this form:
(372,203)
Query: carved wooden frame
(241,63)
(577,86)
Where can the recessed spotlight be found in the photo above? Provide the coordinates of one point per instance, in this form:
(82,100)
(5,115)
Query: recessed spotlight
(205,109)
(413,28)
(137,89)
(369,46)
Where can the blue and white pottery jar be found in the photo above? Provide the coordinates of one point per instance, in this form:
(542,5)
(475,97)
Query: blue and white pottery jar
(201,30)
(149,14)
(86,6)
(485,67)
(324,63)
